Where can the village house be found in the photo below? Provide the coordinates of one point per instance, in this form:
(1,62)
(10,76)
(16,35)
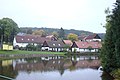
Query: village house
(81,38)
(84,46)
(24,40)
(53,46)
(94,37)
(68,44)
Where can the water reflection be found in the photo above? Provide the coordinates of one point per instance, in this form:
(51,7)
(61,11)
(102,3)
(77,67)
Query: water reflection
(54,68)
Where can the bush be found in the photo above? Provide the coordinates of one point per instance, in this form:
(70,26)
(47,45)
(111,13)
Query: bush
(75,50)
(116,74)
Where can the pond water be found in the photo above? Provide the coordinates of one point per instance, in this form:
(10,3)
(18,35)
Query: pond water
(52,68)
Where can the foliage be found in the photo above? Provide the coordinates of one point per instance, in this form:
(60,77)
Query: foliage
(110,53)
(29,31)
(72,37)
(54,33)
(90,48)
(30,47)
(61,33)
(38,47)
(116,74)
(51,30)
(42,33)
(8,28)
(75,50)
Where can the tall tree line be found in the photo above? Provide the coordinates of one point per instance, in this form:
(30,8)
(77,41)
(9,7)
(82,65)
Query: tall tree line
(8,28)
(110,53)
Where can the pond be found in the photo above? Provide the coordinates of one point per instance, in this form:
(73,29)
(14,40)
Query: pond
(52,68)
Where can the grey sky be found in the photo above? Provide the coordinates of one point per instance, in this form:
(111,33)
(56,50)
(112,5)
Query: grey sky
(70,14)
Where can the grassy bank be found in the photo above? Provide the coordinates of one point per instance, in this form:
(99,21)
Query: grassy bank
(30,52)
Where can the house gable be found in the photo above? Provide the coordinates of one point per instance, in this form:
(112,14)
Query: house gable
(97,37)
(94,36)
(74,45)
(45,44)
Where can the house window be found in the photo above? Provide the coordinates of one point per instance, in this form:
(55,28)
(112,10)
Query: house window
(28,39)
(59,44)
(22,39)
(95,45)
(83,45)
(53,44)
(32,39)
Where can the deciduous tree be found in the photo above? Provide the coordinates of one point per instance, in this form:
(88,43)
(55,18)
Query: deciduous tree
(72,37)
(8,28)
(42,33)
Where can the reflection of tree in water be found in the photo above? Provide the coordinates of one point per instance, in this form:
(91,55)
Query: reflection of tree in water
(61,70)
(33,59)
(106,76)
(7,71)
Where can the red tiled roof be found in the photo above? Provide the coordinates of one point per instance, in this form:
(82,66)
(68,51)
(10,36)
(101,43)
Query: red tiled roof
(81,44)
(68,42)
(31,39)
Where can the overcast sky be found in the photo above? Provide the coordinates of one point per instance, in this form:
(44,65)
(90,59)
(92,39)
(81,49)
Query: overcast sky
(85,15)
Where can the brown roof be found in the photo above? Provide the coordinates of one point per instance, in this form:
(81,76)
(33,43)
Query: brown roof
(31,39)
(93,36)
(81,37)
(58,44)
(68,42)
(81,44)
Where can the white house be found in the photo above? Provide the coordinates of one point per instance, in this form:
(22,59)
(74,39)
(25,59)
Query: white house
(24,40)
(93,37)
(53,46)
(80,46)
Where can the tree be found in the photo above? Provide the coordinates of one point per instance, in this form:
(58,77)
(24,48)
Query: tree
(90,48)
(29,31)
(110,53)
(8,29)
(61,33)
(54,33)
(42,33)
(72,37)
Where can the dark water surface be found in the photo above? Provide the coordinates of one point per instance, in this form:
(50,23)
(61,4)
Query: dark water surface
(52,68)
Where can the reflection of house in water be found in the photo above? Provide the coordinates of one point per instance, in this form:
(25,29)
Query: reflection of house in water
(29,66)
(87,64)
(56,64)
(41,65)
(6,68)
(6,62)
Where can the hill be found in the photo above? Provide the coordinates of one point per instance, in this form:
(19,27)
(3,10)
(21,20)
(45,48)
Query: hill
(50,30)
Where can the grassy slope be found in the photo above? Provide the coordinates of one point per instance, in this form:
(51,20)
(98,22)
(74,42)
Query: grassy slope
(29,52)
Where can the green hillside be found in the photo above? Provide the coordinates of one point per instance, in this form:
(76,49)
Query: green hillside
(50,30)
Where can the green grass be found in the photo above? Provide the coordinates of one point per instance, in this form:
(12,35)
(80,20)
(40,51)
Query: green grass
(30,52)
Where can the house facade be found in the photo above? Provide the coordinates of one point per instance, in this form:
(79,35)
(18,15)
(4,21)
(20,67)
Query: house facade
(53,46)
(24,40)
(80,46)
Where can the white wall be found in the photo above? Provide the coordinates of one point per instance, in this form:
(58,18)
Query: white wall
(90,40)
(45,48)
(84,50)
(19,44)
